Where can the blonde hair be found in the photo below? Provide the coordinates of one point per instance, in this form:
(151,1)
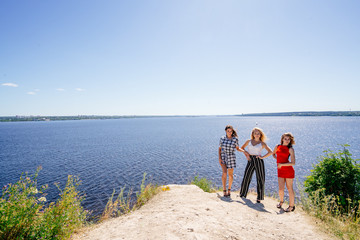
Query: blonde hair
(292,139)
(262,134)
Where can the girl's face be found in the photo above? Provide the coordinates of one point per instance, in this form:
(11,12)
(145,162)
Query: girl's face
(286,140)
(257,134)
(229,132)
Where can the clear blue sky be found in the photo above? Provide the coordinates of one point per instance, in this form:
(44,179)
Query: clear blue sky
(196,57)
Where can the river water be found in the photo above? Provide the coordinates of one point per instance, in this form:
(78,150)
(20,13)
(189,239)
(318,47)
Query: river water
(110,154)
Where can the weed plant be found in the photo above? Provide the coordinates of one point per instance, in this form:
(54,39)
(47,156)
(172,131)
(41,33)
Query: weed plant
(146,192)
(117,207)
(334,219)
(203,183)
(123,205)
(24,213)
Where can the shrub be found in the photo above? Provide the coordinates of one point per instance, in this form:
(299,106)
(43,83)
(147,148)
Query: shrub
(203,183)
(331,193)
(24,214)
(63,217)
(336,175)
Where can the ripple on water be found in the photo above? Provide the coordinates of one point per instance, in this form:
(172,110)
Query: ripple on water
(108,155)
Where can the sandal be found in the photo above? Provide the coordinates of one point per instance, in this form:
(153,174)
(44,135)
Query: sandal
(290,209)
(225,195)
(258,201)
(229,192)
(280,204)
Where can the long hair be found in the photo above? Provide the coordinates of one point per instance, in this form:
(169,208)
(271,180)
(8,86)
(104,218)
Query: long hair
(292,139)
(262,134)
(234,133)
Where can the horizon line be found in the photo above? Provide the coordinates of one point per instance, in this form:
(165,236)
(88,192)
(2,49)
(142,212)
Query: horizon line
(180,115)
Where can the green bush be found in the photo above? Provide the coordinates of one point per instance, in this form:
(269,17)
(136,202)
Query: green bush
(203,183)
(24,213)
(336,175)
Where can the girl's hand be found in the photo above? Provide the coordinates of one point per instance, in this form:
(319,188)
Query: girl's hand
(279,165)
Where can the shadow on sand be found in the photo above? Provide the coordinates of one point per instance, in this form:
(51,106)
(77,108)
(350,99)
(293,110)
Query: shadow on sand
(244,201)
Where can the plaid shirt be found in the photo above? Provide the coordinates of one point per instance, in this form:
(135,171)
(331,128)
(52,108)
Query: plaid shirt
(228,147)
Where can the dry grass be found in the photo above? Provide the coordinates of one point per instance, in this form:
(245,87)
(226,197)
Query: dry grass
(342,225)
(123,205)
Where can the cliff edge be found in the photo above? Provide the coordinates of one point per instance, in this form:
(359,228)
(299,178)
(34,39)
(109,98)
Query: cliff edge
(187,212)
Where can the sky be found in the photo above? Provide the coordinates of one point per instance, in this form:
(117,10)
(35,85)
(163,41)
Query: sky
(189,57)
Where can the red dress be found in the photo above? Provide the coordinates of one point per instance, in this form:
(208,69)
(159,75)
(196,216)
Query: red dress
(282,156)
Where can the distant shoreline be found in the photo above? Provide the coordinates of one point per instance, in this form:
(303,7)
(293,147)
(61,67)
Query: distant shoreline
(308,114)
(104,117)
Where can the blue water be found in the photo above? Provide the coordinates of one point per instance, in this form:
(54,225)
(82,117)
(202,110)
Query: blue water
(109,154)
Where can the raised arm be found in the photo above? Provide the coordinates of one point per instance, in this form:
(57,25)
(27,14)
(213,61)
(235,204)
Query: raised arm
(247,155)
(244,146)
(240,149)
(269,151)
(274,152)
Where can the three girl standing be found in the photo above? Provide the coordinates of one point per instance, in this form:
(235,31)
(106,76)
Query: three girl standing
(254,146)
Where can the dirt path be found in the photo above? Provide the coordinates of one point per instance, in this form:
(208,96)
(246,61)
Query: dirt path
(186,212)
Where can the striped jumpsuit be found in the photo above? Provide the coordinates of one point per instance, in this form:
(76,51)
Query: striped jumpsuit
(255,164)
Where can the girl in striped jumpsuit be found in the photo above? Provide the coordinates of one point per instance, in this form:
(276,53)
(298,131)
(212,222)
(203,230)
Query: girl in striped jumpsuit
(255,163)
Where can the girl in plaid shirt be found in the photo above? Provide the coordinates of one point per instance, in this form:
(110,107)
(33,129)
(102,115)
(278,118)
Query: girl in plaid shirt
(227,158)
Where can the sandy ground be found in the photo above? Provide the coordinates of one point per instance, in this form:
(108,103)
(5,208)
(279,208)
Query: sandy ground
(186,212)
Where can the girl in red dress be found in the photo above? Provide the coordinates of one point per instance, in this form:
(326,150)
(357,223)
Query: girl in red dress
(286,172)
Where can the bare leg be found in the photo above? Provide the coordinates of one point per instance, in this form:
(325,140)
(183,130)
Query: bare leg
(224,175)
(281,182)
(231,177)
(289,185)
